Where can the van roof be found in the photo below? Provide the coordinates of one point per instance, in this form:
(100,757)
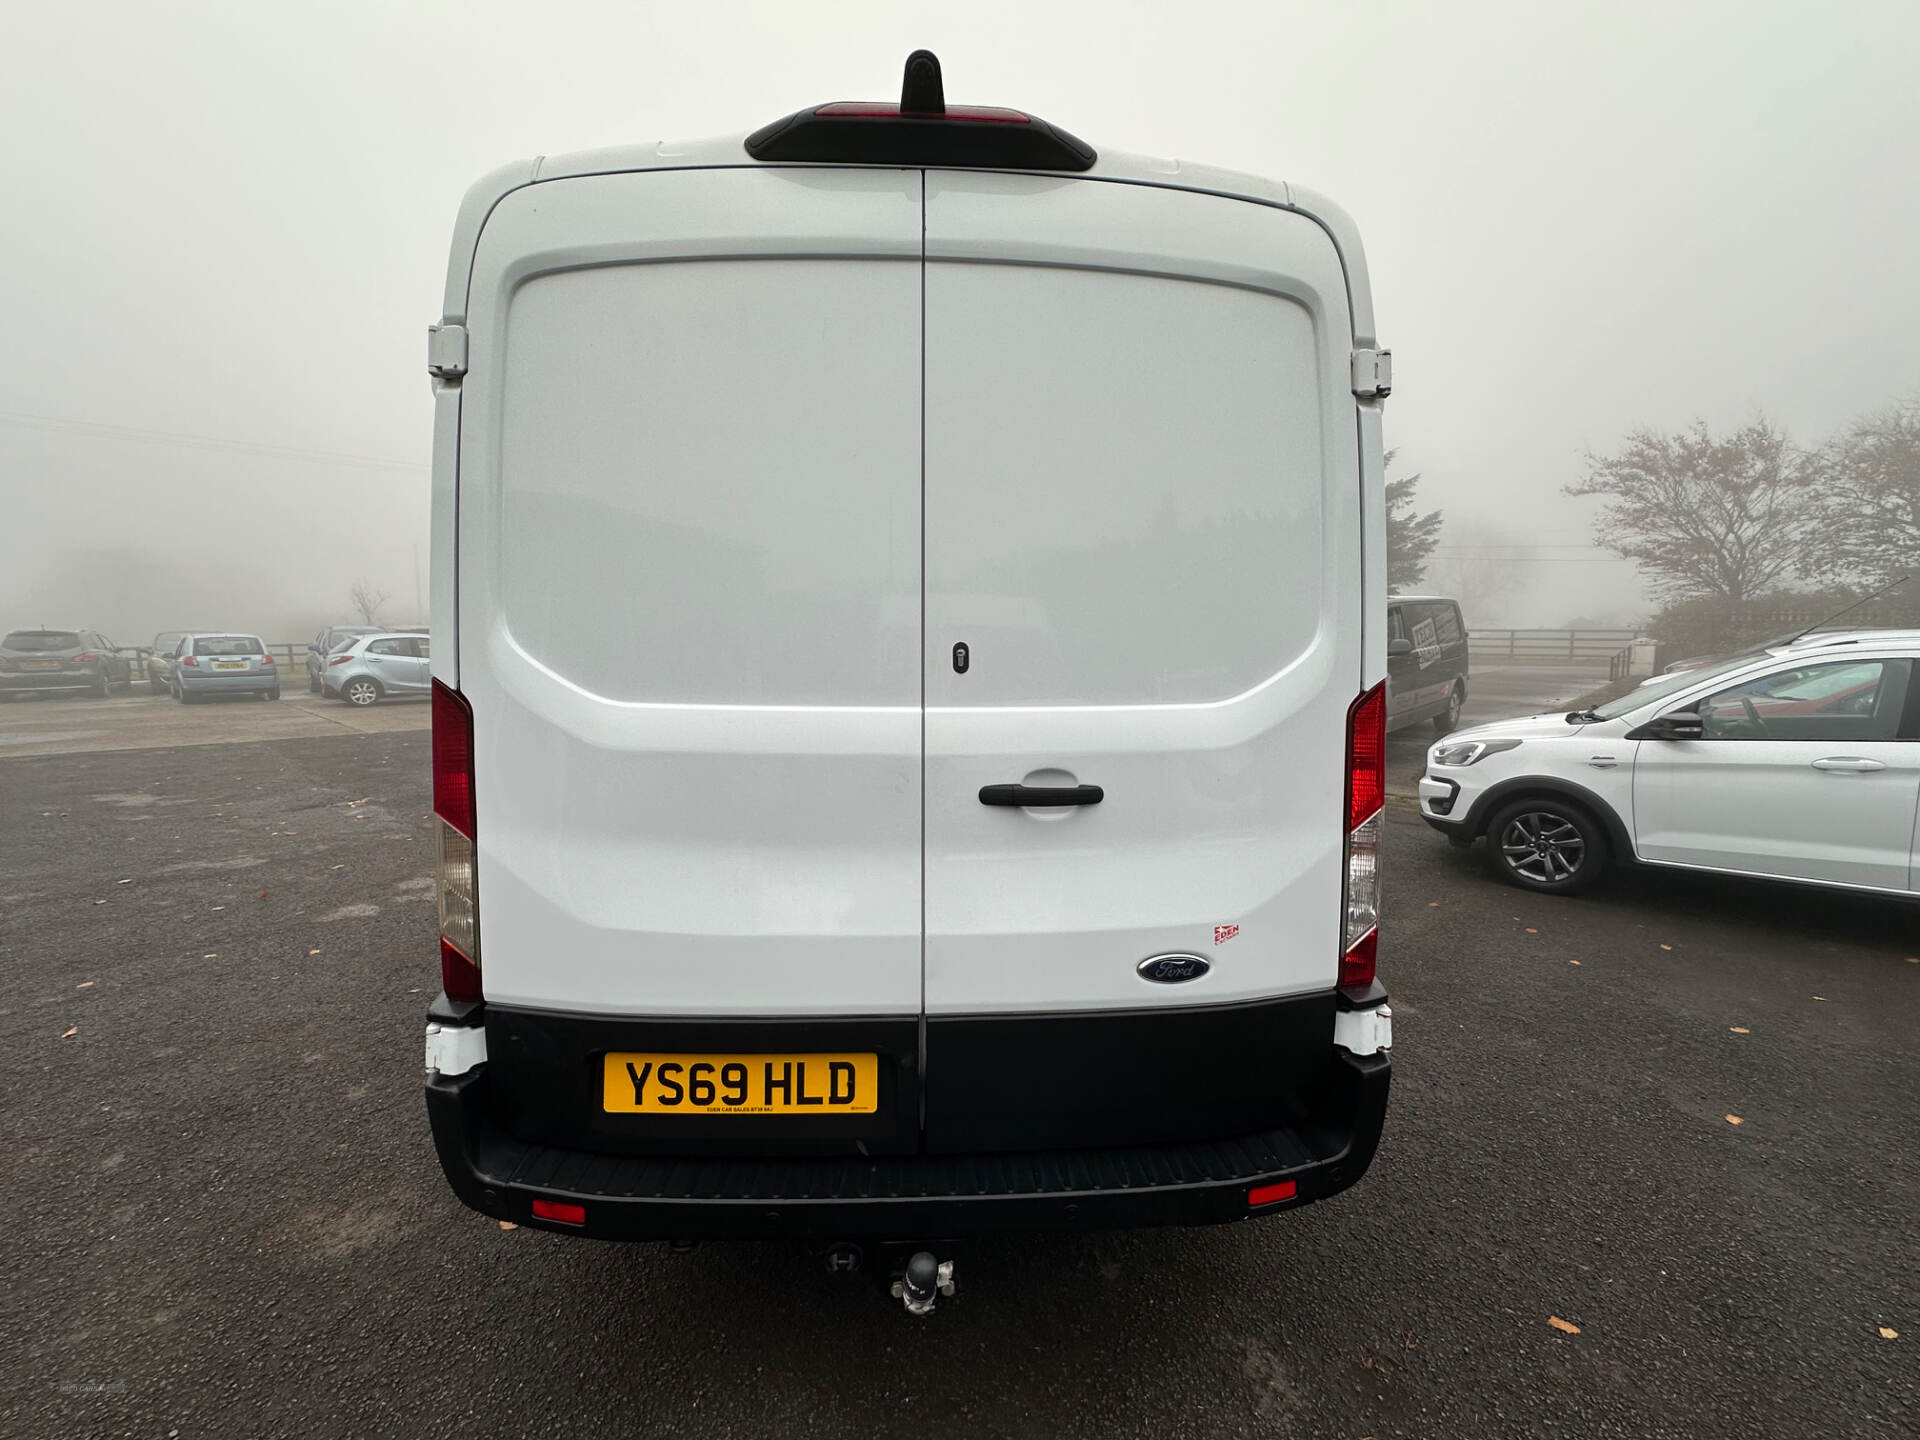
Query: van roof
(730,152)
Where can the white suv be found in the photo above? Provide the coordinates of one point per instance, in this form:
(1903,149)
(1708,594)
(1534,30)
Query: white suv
(1796,761)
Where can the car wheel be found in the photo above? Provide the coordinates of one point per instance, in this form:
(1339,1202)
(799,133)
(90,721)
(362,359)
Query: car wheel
(313,683)
(1448,720)
(274,694)
(157,685)
(180,693)
(102,688)
(361,691)
(1547,844)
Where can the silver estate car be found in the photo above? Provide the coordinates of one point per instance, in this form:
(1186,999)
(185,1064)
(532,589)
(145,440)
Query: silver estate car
(227,664)
(371,668)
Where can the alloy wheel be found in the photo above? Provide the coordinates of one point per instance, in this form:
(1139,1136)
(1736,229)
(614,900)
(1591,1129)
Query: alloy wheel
(1542,846)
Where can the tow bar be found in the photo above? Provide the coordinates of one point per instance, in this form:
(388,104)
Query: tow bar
(925,1281)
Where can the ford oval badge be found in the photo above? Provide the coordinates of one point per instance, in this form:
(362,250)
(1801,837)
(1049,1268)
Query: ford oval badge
(1172,969)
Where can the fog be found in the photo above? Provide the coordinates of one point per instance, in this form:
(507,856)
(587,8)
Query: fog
(225,228)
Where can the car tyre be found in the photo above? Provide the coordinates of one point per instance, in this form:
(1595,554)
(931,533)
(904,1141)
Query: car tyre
(274,694)
(361,691)
(313,684)
(1448,720)
(157,685)
(1547,844)
(102,688)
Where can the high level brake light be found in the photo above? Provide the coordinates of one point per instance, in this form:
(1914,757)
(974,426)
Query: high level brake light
(453,845)
(1366,797)
(921,130)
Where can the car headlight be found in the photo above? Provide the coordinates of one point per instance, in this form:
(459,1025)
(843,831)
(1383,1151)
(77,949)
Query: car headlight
(1469,752)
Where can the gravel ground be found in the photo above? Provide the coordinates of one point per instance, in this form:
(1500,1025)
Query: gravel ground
(224,1216)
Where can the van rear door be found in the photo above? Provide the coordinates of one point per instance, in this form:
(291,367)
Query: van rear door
(689,592)
(1143,570)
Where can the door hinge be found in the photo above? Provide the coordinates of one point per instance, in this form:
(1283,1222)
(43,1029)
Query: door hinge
(446,351)
(1373,374)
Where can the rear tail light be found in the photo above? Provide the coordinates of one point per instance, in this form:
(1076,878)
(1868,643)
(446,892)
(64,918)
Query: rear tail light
(266,659)
(189,660)
(339,659)
(86,657)
(1366,795)
(453,848)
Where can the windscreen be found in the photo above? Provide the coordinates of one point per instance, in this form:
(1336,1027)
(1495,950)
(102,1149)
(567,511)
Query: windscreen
(41,640)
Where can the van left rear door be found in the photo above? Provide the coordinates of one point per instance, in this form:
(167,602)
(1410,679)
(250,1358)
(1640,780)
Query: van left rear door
(689,594)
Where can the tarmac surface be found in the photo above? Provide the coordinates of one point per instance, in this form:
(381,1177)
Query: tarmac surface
(224,1216)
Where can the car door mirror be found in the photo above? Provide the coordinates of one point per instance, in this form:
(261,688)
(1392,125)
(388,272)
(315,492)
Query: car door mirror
(1399,647)
(1674,725)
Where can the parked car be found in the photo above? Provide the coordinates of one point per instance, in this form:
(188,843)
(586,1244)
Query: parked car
(50,660)
(325,643)
(223,664)
(930,761)
(386,665)
(1426,661)
(1799,762)
(160,661)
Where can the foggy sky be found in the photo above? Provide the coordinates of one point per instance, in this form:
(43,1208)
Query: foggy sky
(224,229)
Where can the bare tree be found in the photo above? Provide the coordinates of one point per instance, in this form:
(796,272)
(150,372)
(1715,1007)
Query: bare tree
(1868,529)
(1727,519)
(366,599)
(1410,536)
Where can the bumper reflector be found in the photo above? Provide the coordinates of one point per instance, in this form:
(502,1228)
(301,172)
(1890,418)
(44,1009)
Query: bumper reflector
(564,1211)
(1271,1194)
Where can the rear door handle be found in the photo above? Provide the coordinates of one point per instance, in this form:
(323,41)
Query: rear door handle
(1041,796)
(1855,764)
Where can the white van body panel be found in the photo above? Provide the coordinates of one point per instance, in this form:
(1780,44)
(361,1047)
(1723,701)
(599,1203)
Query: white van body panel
(641,834)
(1143,512)
(689,540)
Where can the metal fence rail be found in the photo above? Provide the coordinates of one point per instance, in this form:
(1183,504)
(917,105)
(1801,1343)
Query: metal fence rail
(1568,647)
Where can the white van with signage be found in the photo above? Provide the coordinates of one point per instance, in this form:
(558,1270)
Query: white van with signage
(907,686)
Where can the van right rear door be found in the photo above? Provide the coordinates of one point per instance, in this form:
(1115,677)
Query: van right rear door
(1143,574)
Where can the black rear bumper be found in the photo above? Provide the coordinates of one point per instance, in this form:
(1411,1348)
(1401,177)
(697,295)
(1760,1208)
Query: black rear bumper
(1326,1147)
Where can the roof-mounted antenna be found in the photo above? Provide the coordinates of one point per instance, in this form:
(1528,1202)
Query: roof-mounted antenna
(921,92)
(1848,609)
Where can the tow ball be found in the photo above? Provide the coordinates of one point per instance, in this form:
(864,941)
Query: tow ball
(925,1281)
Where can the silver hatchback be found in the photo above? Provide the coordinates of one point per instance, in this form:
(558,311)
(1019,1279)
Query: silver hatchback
(370,668)
(228,664)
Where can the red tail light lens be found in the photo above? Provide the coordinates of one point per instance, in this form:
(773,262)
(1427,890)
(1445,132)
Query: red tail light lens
(453,759)
(339,659)
(189,660)
(266,659)
(86,655)
(1358,964)
(1367,755)
(459,976)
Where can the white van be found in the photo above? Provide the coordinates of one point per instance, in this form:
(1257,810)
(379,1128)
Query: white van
(908,686)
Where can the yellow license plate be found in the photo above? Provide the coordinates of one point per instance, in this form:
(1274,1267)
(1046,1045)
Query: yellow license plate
(229,664)
(658,1084)
(39,664)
